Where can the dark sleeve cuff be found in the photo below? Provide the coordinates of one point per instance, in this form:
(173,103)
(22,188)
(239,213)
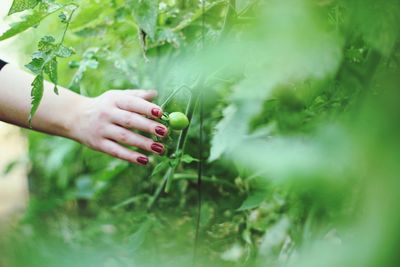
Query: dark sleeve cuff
(2,64)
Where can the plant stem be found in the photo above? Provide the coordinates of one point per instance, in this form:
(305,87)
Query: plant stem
(200,156)
(194,177)
(230,19)
(67,26)
(169,174)
(199,178)
(160,187)
(180,147)
(174,93)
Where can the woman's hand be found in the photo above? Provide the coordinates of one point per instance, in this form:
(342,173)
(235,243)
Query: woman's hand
(104,123)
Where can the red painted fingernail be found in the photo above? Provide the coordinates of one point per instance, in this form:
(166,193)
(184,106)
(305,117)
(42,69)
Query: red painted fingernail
(161,131)
(157,148)
(143,160)
(156,112)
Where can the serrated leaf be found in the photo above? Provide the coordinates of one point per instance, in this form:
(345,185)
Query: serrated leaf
(30,21)
(64,52)
(84,65)
(145,13)
(37,95)
(51,70)
(48,39)
(21,5)
(89,61)
(46,43)
(169,36)
(36,65)
(63,17)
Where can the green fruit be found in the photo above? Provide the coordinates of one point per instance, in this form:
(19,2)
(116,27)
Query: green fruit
(178,121)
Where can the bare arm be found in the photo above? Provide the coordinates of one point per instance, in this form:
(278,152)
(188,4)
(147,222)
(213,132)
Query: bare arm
(15,104)
(102,123)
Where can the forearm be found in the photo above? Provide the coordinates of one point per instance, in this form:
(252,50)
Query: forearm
(56,113)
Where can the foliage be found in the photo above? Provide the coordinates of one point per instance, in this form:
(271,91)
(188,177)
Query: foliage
(294,130)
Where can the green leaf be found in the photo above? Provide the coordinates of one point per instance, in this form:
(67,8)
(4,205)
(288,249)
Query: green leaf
(64,51)
(46,43)
(96,31)
(160,167)
(169,36)
(36,65)
(145,13)
(188,159)
(41,58)
(36,94)
(30,21)
(89,61)
(253,201)
(63,17)
(21,5)
(382,31)
(231,129)
(137,239)
(114,169)
(51,70)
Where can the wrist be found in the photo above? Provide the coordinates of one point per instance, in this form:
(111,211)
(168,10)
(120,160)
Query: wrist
(72,124)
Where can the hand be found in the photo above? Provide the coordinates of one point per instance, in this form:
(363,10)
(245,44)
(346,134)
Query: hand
(105,122)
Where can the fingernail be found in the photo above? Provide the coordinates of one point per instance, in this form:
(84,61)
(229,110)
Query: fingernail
(161,131)
(143,160)
(156,112)
(157,148)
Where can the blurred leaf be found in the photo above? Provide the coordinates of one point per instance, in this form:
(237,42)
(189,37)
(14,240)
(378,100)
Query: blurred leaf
(275,237)
(84,187)
(114,169)
(59,155)
(64,52)
(327,155)
(253,201)
(163,165)
(89,61)
(21,5)
(229,124)
(145,13)
(30,21)
(137,239)
(382,31)
(188,159)
(295,40)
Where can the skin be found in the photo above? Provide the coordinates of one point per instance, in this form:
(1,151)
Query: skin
(102,123)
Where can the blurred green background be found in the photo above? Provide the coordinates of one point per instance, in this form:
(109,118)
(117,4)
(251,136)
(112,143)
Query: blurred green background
(300,125)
